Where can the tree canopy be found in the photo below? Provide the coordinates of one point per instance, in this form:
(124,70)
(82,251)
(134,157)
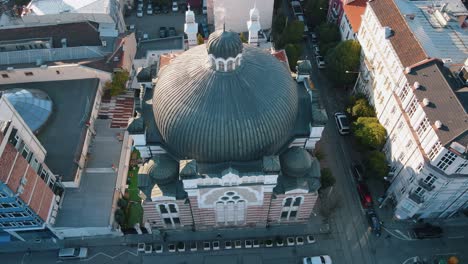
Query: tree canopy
(200,39)
(316,11)
(118,84)
(369,132)
(326,178)
(344,57)
(376,164)
(293,51)
(292,34)
(362,108)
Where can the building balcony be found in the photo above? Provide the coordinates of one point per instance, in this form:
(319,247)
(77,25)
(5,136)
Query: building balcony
(426,186)
(416,198)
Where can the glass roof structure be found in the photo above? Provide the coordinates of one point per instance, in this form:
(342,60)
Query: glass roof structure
(34,106)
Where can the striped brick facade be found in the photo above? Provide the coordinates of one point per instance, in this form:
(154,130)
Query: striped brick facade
(154,217)
(305,209)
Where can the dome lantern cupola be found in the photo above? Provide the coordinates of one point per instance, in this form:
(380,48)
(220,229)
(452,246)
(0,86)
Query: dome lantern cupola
(225,50)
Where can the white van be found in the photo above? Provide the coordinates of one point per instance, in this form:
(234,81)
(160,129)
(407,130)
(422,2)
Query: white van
(73,253)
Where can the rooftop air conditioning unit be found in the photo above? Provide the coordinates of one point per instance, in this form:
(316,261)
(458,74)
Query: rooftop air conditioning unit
(426,102)
(438,124)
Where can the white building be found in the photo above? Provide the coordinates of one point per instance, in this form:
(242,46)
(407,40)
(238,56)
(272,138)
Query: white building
(107,13)
(351,20)
(233,13)
(418,102)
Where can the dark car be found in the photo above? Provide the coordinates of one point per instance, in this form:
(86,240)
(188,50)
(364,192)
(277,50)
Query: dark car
(374,222)
(364,195)
(427,231)
(165,9)
(358,172)
(162,32)
(172,32)
(157,9)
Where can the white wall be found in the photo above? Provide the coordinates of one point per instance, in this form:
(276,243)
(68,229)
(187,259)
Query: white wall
(236,13)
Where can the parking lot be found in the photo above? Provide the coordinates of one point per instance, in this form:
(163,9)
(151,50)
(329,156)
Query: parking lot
(150,24)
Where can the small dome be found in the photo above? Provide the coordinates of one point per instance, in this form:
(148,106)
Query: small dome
(34,106)
(163,169)
(224,44)
(295,162)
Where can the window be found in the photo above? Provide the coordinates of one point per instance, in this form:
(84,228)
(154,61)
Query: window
(169,214)
(25,152)
(28,74)
(290,208)
(402,156)
(230,209)
(419,167)
(435,150)
(412,108)
(462,166)
(419,192)
(409,144)
(430,179)
(4,75)
(400,125)
(423,126)
(403,190)
(446,160)
(404,92)
(393,110)
(230,65)
(221,66)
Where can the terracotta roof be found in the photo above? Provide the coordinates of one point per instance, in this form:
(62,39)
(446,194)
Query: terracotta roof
(405,44)
(354,11)
(77,34)
(438,85)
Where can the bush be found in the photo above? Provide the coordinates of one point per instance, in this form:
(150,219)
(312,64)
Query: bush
(326,178)
(362,108)
(376,164)
(119,217)
(369,132)
(118,84)
(200,39)
(243,38)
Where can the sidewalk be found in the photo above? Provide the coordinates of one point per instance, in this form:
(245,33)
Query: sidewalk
(171,236)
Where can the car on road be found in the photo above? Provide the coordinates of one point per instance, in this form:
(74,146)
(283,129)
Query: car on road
(172,32)
(313,37)
(73,253)
(175,7)
(165,9)
(342,122)
(358,172)
(316,50)
(427,231)
(364,195)
(320,62)
(162,32)
(157,9)
(374,222)
(324,259)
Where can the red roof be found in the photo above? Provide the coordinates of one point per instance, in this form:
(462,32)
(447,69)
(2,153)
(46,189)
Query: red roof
(354,10)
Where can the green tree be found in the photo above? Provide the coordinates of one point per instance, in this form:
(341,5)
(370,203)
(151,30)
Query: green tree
(376,164)
(344,57)
(362,108)
(292,34)
(119,216)
(200,39)
(243,38)
(279,21)
(118,84)
(369,132)
(122,203)
(293,51)
(316,11)
(326,178)
(328,33)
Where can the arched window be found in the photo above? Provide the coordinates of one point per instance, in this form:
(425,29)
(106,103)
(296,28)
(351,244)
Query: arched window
(169,214)
(221,66)
(230,209)
(290,208)
(230,65)
(238,61)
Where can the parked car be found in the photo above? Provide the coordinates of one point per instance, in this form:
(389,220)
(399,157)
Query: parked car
(149,10)
(140,12)
(205,11)
(175,7)
(342,123)
(427,231)
(157,9)
(172,32)
(364,195)
(162,32)
(165,9)
(374,222)
(358,172)
(316,50)
(324,259)
(313,37)
(73,253)
(320,62)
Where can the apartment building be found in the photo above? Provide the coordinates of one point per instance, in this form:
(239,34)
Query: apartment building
(423,108)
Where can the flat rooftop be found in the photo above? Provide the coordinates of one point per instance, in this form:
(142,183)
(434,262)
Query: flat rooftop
(47,7)
(63,135)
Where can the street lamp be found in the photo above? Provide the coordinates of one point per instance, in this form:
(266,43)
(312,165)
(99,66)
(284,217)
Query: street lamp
(357,79)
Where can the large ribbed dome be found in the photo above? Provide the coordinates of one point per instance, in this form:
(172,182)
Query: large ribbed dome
(216,116)
(224,44)
(34,106)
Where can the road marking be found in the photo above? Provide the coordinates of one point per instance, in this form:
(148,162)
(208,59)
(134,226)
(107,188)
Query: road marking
(99,170)
(456,237)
